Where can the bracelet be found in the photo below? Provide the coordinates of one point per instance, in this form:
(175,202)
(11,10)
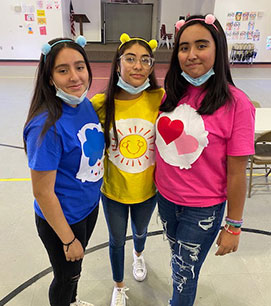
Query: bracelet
(226,227)
(234,223)
(68,244)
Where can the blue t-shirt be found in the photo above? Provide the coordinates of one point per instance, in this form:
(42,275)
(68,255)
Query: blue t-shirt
(75,149)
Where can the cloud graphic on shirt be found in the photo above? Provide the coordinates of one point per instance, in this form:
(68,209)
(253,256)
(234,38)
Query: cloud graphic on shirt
(93,146)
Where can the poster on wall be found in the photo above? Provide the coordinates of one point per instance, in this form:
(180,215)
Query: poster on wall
(252,16)
(245,16)
(230,16)
(41,21)
(40,4)
(251,25)
(236,26)
(57,4)
(243,35)
(49,5)
(43,30)
(238,16)
(235,35)
(41,13)
(29,17)
(30,29)
(256,35)
(28,8)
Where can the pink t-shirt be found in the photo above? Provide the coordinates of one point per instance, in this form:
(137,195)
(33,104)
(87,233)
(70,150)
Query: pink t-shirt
(192,149)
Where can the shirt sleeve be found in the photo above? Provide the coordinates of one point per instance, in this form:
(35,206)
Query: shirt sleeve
(241,142)
(98,104)
(43,153)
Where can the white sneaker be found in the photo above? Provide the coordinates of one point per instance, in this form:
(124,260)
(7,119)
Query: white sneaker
(119,296)
(80,303)
(139,267)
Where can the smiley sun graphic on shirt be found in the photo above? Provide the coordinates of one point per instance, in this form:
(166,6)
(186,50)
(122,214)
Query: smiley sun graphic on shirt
(135,151)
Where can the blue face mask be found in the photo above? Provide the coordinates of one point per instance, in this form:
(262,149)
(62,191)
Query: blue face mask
(200,80)
(70,99)
(131,89)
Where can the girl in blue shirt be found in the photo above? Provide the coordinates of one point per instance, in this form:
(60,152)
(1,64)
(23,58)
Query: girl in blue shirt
(65,145)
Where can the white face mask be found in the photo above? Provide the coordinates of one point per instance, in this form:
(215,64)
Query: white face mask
(200,80)
(131,89)
(70,99)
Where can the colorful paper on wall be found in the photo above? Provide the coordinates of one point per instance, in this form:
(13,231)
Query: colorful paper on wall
(40,4)
(29,17)
(57,4)
(30,29)
(28,8)
(238,16)
(43,30)
(41,13)
(49,5)
(41,21)
(245,16)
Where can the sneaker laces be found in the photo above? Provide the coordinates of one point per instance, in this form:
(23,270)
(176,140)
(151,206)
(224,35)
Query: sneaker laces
(120,295)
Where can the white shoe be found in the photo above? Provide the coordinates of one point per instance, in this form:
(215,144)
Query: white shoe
(80,303)
(139,267)
(119,296)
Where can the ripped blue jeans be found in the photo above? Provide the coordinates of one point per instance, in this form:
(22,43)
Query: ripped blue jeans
(191,232)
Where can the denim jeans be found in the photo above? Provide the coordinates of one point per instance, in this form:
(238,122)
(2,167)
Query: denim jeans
(63,289)
(116,215)
(191,232)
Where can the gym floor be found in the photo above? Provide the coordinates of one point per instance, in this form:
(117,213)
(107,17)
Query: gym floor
(242,278)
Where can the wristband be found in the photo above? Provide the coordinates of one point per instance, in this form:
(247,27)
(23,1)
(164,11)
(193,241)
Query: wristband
(234,223)
(68,244)
(226,227)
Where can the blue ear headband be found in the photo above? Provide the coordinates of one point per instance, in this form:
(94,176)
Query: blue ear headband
(46,48)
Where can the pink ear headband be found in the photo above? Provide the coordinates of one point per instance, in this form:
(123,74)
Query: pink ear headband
(209,19)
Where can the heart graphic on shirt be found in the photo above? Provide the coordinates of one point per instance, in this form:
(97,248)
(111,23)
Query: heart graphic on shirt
(169,129)
(186,144)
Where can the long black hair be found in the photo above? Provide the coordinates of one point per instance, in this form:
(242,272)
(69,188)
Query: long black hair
(113,89)
(217,89)
(44,98)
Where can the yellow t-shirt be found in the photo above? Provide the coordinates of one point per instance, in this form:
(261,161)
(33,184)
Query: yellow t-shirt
(129,168)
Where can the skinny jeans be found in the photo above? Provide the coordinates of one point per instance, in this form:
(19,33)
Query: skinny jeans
(63,288)
(116,215)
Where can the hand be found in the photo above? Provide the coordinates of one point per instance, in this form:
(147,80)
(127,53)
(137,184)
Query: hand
(227,243)
(75,251)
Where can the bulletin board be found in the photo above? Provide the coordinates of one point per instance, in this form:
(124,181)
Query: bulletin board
(243,26)
(29,24)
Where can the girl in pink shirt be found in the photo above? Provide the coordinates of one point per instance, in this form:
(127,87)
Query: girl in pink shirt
(204,135)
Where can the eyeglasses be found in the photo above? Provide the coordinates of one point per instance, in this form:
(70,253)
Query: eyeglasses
(131,60)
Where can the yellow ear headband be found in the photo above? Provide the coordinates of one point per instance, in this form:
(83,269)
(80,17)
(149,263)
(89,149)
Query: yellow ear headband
(124,38)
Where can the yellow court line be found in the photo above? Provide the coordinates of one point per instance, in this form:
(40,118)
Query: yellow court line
(15,180)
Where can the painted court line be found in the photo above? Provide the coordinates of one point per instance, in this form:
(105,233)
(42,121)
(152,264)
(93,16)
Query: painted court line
(15,180)
(48,270)
(29,179)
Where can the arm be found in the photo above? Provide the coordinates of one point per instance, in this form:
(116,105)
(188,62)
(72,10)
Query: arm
(43,183)
(236,190)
